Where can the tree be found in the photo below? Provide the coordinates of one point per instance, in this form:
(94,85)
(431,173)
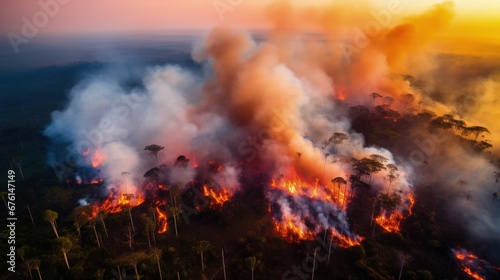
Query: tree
(392,176)
(154,149)
(201,247)
(133,260)
(369,166)
(81,215)
(18,160)
(181,161)
(157,256)
(389,202)
(92,224)
(252,263)
(477,130)
(129,234)
(403,258)
(338,138)
(51,217)
(339,181)
(101,215)
(153,174)
(374,96)
(36,265)
(149,228)
(64,244)
(175,212)
(407,101)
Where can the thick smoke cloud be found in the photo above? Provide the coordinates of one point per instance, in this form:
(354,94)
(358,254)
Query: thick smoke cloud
(265,102)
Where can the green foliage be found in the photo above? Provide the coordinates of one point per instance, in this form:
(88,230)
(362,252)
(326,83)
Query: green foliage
(389,202)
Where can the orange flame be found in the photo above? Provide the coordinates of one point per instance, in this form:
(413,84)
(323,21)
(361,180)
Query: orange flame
(116,205)
(467,260)
(341,95)
(162,221)
(293,228)
(97,159)
(298,187)
(219,198)
(392,223)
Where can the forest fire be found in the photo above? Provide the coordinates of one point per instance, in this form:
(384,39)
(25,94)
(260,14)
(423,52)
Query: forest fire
(97,159)
(219,198)
(391,222)
(115,203)
(162,221)
(470,263)
(298,187)
(302,210)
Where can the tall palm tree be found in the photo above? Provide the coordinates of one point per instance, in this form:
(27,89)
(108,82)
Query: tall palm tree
(64,244)
(51,217)
(157,256)
(201,247)
(154,149)
(252,263)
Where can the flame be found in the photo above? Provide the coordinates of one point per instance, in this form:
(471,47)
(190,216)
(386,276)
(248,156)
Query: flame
(341,95)
(297,186)
(97,159)
(96,181)
(115,203)
(86,152)
(470,263)
(293,231)
(219,198)
(392,222)
(294,224)
(162,220)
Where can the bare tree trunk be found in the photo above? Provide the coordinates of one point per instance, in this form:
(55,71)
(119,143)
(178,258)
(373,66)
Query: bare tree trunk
(104,226)
(29,270)
(175,225)
(20,170)
(154,238)
(159,268)
(178,276)
(119,273)
(97,237)
(65,258)
(31,216)
(223,264)
(54,228)
(39,275)
(401,271)
(131,220)
(136,272)
(149,240)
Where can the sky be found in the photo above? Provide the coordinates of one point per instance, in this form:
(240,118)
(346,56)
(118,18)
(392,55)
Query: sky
(478,18)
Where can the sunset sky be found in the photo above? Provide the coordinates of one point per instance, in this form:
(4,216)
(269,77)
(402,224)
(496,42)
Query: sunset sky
(478,18)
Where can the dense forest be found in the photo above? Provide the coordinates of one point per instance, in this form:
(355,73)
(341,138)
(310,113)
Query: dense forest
(201,231)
